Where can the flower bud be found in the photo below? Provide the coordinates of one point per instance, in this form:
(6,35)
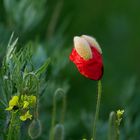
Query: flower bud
(35,129)
(120,113)
(87,56)
(82,47)
(112,126)
(59,132)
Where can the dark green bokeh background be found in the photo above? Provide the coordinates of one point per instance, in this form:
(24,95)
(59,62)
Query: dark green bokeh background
(115,24)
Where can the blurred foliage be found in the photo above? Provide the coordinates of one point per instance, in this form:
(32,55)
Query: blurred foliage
(51,25)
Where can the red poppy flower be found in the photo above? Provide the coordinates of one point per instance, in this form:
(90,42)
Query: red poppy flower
(87,56)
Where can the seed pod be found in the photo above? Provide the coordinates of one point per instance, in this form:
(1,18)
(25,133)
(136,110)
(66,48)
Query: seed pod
(35,129)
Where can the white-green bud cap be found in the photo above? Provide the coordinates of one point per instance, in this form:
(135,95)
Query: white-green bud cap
(82,47)
(92,41)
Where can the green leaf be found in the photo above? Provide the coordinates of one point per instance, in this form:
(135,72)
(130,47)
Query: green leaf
(43,68)
(11,48)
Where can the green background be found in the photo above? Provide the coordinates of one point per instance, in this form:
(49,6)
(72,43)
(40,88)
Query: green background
(51,26)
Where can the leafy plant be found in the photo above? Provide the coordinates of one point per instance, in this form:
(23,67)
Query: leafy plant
(20,85)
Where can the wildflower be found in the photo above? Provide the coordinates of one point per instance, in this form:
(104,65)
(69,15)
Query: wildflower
(25,104)
(28,100)
(119,116)
(26,116)
(32,100)
(22,104)
(87,56)
(120,113)
(13,103)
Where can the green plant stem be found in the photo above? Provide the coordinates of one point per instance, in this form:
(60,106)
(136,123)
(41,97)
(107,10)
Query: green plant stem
(53,119)
(29,75)
(63,108)
(14,128)
(61,92)
(97,109)
(10,129)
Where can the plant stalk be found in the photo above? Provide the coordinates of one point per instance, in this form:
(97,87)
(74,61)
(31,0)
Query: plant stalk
(97,109)
(61,92)
(14,128)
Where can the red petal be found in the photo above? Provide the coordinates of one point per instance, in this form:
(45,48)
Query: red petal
(92,68)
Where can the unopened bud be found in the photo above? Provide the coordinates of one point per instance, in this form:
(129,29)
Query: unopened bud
(113,130)
(59,132)
(82,48)
(35,129)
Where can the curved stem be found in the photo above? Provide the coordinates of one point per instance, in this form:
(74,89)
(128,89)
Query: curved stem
(61,92)
(97,109)
(63,106)
(31,74)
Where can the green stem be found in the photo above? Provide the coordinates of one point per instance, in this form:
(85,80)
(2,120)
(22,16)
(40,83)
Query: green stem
(14,128)
(29,75)
(61,92)
(97,109)
(63,107)
(53,117)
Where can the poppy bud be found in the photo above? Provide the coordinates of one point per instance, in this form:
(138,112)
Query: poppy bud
(87,56)
(34,129)
(59,132)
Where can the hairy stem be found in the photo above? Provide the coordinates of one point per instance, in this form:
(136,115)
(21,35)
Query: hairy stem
(61,92)
(97,109)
